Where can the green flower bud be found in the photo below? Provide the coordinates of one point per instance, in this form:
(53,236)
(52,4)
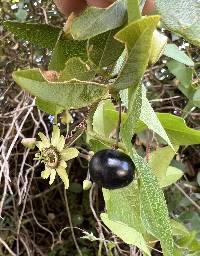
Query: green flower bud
(29,143)
(87,184)
(66,117)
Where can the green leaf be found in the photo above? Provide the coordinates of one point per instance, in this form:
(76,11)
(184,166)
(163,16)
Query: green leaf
(193,254)
(153,206)
(69,94)
(21,14)
(94,21)
(132,32)
(173,174)
(140,110)
(159,42)
(138,39)
(133,117)
(100,121)
(181,17)
(133,10)
(42,35)
(179,229)
(129,210)
(47,107)
(177,130)
(97,145)
(159,161)
(188,92)
(148,116)
(128,234)
(186,241)
(104,112)
(119,64)
(104,50)
(76,68)
(196,98)
(182,73)
(172,51)
(65,49)
(178,251)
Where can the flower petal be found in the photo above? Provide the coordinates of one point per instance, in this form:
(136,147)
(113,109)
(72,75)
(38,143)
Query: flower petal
(45,174)
(55,138)
(69,153)
(40,145)
(63,164)
(45,141)
(64,177)
(61,143)
(52,176)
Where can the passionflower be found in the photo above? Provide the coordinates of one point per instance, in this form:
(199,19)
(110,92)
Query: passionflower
(54,154)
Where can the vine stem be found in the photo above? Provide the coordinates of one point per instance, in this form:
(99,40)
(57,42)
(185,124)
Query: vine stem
(70,223)
(102,238)
(188,197)
(118,125)
(105,140)
(56,119)
(188,109)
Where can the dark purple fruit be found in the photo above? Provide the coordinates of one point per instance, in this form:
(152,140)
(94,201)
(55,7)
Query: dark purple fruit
(111,169)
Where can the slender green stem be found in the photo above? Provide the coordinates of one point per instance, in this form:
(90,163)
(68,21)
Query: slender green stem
(105,141)
(188,109)
(119,124)
(55,119)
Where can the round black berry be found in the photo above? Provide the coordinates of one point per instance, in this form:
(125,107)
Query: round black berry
(111,169)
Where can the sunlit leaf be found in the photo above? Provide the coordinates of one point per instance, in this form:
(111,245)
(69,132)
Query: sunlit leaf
(47,107)
(137,37)
(133,117)
(104,112)
(173,174)
(172,51)
(178,228)
(94,21)
(148,116)
(139,111)
(133,10)
(159,42)
(177,130)
(183,74)
(128,234)
(160,159)
(69,94)
(76,68)
(181,17)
